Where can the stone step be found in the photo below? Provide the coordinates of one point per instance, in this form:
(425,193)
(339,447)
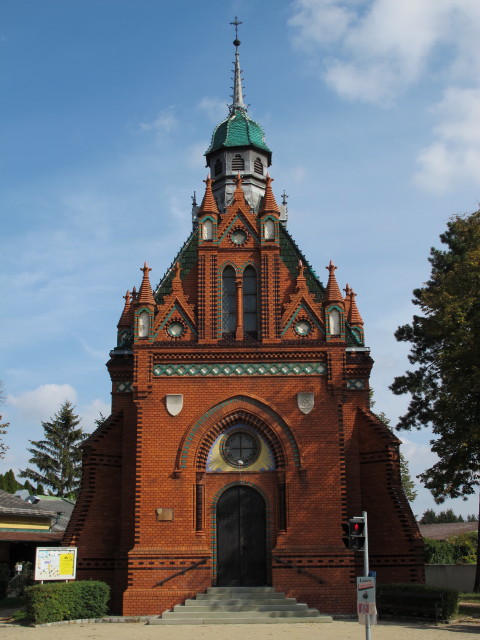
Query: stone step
(255,590)
(247,595)
(241,607)
(316,620)
(213,601)
(187,614)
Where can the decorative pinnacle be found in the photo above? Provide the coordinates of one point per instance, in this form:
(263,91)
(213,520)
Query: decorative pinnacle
(237,75)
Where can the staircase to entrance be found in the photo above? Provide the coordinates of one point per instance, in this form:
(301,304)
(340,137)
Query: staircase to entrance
(241,605)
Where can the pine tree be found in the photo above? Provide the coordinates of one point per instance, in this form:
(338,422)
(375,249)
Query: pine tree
(58,457)
(445,351)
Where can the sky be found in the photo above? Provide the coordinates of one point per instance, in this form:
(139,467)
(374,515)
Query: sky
(106,109)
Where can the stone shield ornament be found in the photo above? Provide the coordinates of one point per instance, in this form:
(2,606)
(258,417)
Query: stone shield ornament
(305,401)
(174,403)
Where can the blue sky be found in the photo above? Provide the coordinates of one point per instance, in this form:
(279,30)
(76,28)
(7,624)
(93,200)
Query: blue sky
(106,108)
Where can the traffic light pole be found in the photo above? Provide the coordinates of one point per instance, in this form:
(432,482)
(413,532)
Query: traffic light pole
(366,565)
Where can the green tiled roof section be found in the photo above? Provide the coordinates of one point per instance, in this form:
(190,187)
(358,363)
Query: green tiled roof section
(351,338)
(238,130)
(187,256)
(290,255)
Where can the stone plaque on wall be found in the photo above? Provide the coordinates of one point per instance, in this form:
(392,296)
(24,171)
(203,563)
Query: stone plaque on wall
(305,401)
(164,515)
(174,403)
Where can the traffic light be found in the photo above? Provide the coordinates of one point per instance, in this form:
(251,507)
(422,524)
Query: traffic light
(356,534)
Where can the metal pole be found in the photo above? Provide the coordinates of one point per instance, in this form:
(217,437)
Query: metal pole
(368,629)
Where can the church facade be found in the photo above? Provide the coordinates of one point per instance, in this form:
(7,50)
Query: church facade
(240,438)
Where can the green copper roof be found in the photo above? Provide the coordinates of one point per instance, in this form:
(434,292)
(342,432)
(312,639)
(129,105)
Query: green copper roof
(238,130)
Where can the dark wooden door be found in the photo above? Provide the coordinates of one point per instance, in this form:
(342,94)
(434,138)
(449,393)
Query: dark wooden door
(241,537)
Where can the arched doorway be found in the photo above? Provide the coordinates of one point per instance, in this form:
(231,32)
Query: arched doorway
(241,538)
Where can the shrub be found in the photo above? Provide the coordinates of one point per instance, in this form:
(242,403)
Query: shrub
(417,600)
(67,601)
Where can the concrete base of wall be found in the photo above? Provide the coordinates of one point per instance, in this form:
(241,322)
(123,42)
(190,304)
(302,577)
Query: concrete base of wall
(452,576)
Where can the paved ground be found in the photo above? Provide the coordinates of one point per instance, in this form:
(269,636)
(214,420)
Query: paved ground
(337,630)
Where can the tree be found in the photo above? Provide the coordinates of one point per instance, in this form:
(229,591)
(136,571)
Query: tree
(445,349)
(3,429)
(58,457)
(430,517)
(8,482)
(408,484)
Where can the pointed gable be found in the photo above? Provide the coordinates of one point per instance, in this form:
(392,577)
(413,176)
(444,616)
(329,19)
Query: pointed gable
(177,310)
(302,308)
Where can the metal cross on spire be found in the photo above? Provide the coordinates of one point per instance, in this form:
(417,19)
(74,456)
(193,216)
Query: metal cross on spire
(237,102)
(236,22)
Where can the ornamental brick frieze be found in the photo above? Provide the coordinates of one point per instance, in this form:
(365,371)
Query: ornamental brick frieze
(240,369)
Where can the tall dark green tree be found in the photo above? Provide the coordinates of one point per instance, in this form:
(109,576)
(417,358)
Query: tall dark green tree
(445,350)
(58,457)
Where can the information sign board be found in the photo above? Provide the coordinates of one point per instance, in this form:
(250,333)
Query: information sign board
(366,600)
(55,563)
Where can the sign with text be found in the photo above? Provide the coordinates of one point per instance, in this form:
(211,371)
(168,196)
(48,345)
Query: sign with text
(55,563)
(366,600)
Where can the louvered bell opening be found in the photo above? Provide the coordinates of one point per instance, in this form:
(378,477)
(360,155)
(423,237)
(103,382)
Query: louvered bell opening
(218,167)
(238,163)
(258,166)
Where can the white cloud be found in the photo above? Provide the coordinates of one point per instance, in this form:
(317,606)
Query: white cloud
(375,50)
(195,157)
(41,403)
(92,412)
(215,109)
(454,155)
(165,122)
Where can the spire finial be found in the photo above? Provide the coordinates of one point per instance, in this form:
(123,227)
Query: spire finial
(237,97)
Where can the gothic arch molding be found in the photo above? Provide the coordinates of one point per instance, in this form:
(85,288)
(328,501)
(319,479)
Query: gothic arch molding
(199,436)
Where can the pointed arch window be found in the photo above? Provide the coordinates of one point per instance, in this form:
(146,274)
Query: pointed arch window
(238,163)
(143,324)
(258,166)
(229,301)
(207,229)
(334,322)
(269,230)
(218,167)
(250,301)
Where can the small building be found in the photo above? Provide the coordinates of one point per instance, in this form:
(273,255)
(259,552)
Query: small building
(28,522)
(241,437)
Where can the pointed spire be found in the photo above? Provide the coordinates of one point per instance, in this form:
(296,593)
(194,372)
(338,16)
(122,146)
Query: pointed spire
(347,300)
(354,317)
(237,97)
(269,204)
(126,317)
(209,204)
(145,295)
(301,279)
(134,294)
(176,282)
(238,195)
(332,293)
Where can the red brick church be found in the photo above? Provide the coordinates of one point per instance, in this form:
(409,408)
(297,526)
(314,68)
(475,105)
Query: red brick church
(240,438)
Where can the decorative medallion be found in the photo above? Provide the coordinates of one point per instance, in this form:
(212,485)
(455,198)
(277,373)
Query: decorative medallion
(175,329)
(305,401)
(174,403)
(303,328)
(238,237)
